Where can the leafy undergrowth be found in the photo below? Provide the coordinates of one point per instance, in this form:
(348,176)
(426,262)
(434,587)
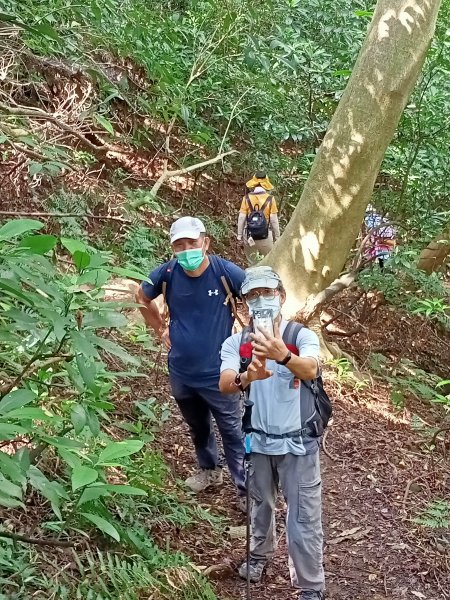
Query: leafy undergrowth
(81,482)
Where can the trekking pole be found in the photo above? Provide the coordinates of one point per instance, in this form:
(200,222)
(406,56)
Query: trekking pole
(247,491)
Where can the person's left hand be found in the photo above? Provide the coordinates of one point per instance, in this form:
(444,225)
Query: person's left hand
(268,346)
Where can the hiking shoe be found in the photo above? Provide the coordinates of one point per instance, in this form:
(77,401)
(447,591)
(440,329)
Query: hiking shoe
(257,566)
(311,595)
(204,479)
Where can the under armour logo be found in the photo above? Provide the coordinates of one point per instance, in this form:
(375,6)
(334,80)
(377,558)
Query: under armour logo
(213,293)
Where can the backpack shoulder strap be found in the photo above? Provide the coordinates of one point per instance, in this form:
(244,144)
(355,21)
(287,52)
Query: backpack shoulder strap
(167,278)
(268,202)
(249,203)
(290,335)
(219,272)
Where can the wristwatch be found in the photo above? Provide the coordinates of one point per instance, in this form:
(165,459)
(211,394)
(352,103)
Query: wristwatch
(238,382)
(286,359)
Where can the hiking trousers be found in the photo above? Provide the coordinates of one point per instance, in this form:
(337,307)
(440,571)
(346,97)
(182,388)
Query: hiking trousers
(261,248)
(198,405)
(299,479)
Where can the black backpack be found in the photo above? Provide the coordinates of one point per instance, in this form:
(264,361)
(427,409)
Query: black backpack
(322,402)
(257,224)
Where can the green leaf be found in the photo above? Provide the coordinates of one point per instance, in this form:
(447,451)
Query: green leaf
(364,13)
(10,489)
(16,399)
(9,432)
(35,167)
(11,468)
(14,228)
(103,525)
(93,423)
(61,442)
(88,372)
(116,350)
(31,413)
(47,30)
(10,502)
(105,123)
(59,323)
(51,490)
(11,288)
(78,417)
(70,458)
(93,493)
(73,245)
(443,383)
(130,274)
(83,476)
(105,320)
(116,450)
(95,277)
(126,490)
(82,344)
(39,244)
(81,260)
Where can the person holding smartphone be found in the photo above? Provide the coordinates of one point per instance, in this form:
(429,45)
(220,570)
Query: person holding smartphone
(285,446)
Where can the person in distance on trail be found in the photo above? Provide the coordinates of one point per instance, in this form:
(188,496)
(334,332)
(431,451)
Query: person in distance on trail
(283,426)
(199,292)
(382,239)
(258,224)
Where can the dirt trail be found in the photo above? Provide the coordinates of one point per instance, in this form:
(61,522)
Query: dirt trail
(375,483)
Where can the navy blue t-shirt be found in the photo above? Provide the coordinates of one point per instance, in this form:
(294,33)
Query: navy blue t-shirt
(199,320)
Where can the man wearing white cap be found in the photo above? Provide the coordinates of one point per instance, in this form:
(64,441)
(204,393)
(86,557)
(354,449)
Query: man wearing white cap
(199,290)
(284,421)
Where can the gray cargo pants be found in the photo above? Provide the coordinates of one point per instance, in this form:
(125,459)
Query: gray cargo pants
(299,479)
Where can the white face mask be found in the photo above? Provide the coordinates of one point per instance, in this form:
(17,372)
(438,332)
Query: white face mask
(261,303)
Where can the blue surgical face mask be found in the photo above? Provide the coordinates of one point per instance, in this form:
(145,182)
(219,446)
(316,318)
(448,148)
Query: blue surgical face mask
(190,260)
(261,303)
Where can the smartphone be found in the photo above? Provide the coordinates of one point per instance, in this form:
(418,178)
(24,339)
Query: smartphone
(263,319)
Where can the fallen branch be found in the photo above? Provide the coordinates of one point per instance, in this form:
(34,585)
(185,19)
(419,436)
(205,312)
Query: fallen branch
(344,333)
(169,174)
(38,541)
(56,215)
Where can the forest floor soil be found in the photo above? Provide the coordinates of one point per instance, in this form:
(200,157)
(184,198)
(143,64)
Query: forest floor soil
(378,475)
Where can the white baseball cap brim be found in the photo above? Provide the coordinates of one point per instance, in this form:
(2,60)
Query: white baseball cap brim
(186,227)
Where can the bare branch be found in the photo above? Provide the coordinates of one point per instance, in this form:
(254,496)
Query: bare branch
(168,174)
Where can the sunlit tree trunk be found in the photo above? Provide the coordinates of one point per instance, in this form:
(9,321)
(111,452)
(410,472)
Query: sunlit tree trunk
(315,245)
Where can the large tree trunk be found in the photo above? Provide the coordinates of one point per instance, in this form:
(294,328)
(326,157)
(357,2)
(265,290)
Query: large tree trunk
(315,245)
(434,256)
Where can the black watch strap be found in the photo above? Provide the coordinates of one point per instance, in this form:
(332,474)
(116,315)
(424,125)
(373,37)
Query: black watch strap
(286,359)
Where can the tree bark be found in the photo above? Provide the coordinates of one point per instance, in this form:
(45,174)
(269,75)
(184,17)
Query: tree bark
(313,249)
(433,257)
